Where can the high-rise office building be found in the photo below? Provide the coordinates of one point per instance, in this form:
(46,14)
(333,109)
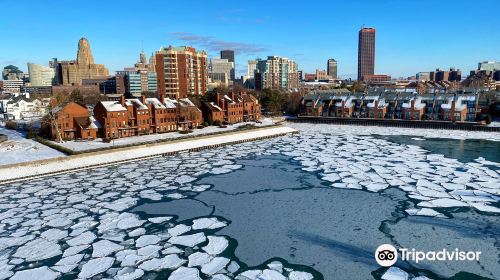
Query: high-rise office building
(74,71)
(181,71)
(219,70)
(229,55)
(276,73)
(366,52)
(41,76)
(331,68)
(251,67)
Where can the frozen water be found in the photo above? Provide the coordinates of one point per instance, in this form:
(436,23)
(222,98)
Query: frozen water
(216,245)
(299,275)
(104,248)
(395,273)
(215,265)
(87,209)
(184,273)
(179,229)
(198,259)
(129,273)
(188,240)
(95,266)
(39,273)
(207,223)
(67,264)
(83,239)
(146,240)
(38,249)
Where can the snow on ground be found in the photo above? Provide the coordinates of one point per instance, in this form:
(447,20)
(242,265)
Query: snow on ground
(98,143)
(80,224)
(19,149)
(111,156)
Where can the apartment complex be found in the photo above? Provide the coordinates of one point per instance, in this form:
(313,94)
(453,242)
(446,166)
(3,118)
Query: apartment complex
(276,73)
(392,105)
(366,52)
(181,71)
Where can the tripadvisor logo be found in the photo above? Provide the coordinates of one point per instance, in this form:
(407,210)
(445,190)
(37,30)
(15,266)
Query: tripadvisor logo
(387,255)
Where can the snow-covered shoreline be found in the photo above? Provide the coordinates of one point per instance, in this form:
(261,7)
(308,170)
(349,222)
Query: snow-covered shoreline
(59,165)
(88,146)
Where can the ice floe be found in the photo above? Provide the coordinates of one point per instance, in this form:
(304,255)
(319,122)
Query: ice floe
(96,266)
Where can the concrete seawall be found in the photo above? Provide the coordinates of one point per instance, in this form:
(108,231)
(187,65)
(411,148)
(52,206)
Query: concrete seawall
(428,124)
(35,169)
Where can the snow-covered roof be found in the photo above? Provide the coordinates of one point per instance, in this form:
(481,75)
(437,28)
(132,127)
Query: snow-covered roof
(155,102)
(94,123)
(381,103)
(228,99)
(170,103)
(215,106)
(347,103)
(458,104)
(186,102)
(136,103)
(113,106)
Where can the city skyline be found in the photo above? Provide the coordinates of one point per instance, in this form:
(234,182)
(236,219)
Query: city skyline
(403,47)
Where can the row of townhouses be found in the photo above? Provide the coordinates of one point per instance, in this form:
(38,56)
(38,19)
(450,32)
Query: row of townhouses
(391,105)
(232,108)
(142,116)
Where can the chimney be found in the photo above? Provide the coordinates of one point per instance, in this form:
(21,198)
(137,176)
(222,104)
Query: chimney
(217,96)
(143,99)
(232,95)
(162,98)
(122,100)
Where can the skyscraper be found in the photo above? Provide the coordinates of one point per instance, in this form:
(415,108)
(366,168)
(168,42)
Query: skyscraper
(229,55)
(181,71)
(331,68)
(74,71)
(366,52)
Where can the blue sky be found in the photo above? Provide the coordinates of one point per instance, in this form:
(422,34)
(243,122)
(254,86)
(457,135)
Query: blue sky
(412,36)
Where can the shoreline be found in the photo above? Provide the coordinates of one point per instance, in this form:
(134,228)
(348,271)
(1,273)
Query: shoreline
(397,123)
(40,168)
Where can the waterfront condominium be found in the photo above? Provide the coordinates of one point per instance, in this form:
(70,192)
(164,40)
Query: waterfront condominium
(276,73)
(366,52)
(331,68)
(229,55)
(181,71)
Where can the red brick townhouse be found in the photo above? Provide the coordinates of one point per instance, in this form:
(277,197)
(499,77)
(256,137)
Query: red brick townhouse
(234,108)
(188,115)
(73,121)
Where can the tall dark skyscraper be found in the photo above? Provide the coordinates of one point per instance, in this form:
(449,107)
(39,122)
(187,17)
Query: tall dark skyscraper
(229,55)
(331,68)
(366,52)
